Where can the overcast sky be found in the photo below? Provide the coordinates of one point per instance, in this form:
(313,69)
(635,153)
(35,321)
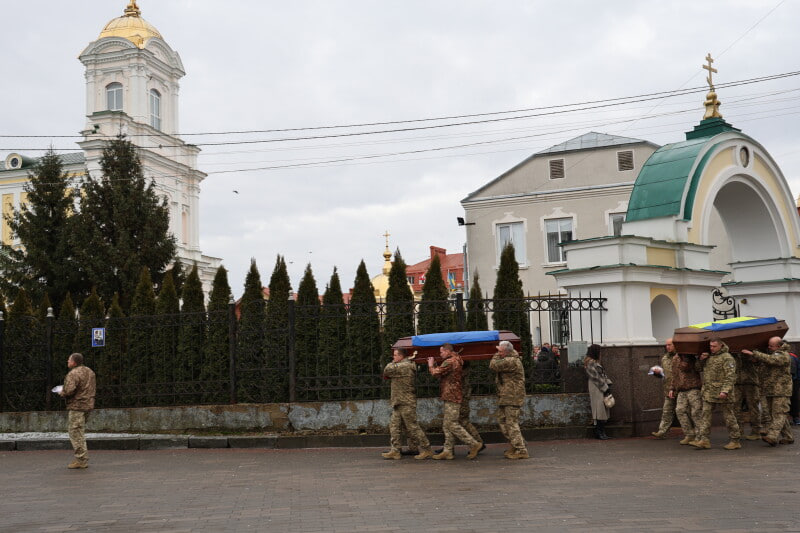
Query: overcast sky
(266,65)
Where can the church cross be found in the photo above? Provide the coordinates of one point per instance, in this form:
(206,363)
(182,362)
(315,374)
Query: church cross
(387,235)
(710,70)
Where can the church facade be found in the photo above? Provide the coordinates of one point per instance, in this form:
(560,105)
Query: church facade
(132,89)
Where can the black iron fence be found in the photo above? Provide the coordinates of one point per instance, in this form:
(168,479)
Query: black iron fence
(311,354)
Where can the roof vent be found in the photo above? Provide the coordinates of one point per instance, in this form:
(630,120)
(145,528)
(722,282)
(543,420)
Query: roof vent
(16,161)
(556,169)
(625,160)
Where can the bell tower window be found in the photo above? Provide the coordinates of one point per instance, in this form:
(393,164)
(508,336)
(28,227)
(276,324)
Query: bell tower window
(155,109)
(114,96)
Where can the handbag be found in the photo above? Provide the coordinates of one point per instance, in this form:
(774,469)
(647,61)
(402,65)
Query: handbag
(609,401)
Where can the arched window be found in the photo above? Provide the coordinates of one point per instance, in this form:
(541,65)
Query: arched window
(155,109)
(114,96)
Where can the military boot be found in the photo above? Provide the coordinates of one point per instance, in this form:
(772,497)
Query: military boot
(753,436)
(687,439)
(445,454)
(392,454)
(473,451)
(702,444)
(733,445)
(769,440)
(659,435)
(786,441)
(424,454)
(518,454)
(508,451)
(78,464)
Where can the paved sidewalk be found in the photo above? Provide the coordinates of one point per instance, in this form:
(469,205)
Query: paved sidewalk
(574,485)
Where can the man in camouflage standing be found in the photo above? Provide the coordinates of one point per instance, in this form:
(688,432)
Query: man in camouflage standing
(686,384)
(449,374)
(776,385)
(402,371)
(748,389)
(719,377)
(668,410)
(79,390)
(510,397)
(464,411)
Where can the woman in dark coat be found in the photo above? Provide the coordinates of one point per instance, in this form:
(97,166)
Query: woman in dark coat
(599,388)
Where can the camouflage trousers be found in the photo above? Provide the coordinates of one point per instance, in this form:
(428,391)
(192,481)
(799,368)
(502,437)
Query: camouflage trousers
(508,417)
(751,394)
(779,428)
(77,434)
(667,414)
(405,417)
(766,416)
(704,427)
(463,420)
(689,409)
(452,429)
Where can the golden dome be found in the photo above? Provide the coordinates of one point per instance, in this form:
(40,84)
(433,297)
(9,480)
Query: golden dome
(131,26)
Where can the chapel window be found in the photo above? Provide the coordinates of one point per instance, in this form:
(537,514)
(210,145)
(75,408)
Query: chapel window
(155,109)
(114,96)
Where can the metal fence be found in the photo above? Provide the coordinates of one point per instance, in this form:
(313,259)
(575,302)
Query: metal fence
(213,357)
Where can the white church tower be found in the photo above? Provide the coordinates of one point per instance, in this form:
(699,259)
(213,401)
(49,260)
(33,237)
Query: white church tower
(132,88)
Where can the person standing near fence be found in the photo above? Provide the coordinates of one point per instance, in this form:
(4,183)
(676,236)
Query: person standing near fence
(79,390)
(510,382)
(599,388)
(668,409)
(402,371)
(449,375)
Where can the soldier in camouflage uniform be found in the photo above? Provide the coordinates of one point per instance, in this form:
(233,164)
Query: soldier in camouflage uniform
(449,374)
(777,386)
(719,377)
(668,410)
(510,396)
(402,371)
(686,384)
(464,411)
(80,388)
(748,389)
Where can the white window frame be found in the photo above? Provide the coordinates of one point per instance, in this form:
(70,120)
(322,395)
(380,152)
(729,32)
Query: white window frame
(561,259)
(114,95)
(154,99)
(513,230)
(611,217)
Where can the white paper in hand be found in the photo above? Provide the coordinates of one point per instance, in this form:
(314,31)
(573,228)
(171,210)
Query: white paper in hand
(58,388)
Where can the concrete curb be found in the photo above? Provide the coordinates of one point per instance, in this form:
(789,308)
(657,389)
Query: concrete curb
(208,442)
(7,445)
(43,444)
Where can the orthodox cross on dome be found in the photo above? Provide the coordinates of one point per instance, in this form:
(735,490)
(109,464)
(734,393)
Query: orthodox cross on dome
(387,255)
(711,103)
(132,10)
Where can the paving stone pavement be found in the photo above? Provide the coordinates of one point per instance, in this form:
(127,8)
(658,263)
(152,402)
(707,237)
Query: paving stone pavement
(637,484)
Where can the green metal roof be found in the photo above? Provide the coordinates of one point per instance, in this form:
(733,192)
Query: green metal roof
(659,188)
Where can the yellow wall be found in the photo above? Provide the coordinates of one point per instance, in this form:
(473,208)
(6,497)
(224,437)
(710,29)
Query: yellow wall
(661,256)
(8,210)
(672,294)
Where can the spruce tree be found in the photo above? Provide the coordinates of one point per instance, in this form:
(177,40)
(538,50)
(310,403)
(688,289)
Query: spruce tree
(476,314)
(399,321)
(65,332)
(192,335)
(251,369)
(44,262)
(277,329)
(510,312)
(435,315)
(215,369)
(332,339)
(92,315)
(307,311)
(140,346)
(179,275)
(363,331)
(115,350)
(24,359)
(122,225)
(165,340)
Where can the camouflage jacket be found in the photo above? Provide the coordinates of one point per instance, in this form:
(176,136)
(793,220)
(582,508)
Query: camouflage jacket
(466,387)
(666,365)
(719,375)
(80,389)
(449,374)
(746,371)
(684,375)
(402,375)
(776,376)
(510,379)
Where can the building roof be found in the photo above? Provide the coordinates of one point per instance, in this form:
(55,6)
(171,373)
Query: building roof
(591,141)
(73,158)
(131,26)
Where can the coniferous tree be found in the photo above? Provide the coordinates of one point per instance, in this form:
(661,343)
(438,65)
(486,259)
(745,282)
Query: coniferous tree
(216,352)
(44,306)
(165,339)
(307,311)
(435,315)
(509,306)
(92,315)
(363,329)
(122,226)
(64,334)
(192,332)
(115,350)
(399,321)
(44,263)
(250,357)
(476,314)
(179,275)
(24,364)
(332,337)
(140,346)
(277,329)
